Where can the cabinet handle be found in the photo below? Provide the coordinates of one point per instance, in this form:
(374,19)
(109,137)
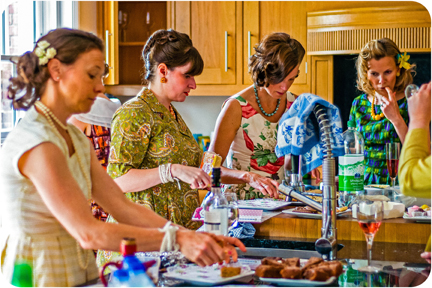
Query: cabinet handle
(107,47)
(226,51)
(249,44)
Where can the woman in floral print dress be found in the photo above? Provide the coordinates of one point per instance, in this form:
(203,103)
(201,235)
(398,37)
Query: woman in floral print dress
(246,129)
(148,132)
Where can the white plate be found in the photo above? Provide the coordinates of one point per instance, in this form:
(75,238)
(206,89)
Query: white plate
(311,215)
(298,282)
(417,218)
(263,204)
(204,276)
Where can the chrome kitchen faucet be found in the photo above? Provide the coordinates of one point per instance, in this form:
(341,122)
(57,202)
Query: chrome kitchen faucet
(327,244)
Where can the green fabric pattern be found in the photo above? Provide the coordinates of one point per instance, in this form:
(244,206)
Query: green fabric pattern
(376,134)
(144,136)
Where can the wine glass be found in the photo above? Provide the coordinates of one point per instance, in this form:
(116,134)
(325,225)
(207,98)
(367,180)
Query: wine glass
(392,157)
(411,90)
(233,215)
(369,216)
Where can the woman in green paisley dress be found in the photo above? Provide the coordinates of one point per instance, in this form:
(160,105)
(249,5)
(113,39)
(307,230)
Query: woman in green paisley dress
(381,114)
(148,132)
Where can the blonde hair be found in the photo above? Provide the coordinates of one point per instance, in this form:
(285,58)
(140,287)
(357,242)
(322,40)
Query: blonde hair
(377,49)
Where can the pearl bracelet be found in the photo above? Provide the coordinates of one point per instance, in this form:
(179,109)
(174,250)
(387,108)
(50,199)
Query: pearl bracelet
(169,241)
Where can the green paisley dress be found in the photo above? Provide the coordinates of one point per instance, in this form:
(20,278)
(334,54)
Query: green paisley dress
(144,136)
(376,134)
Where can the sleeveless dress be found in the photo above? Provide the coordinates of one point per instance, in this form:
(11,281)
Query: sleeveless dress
(376,134)
(30,231)
(253,149)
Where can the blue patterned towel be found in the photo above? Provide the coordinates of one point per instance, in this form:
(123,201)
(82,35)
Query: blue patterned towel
(238,230)
(241,230)
(296,133)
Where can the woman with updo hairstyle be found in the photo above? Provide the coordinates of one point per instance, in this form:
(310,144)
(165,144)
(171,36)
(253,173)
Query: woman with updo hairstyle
(381,113)
(154,157)
(49,173)
(246,129)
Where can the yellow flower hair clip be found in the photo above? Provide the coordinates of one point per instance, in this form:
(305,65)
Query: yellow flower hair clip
(402,60)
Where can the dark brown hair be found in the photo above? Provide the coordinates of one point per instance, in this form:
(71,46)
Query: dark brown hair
(30,83)
(275,57)
(172,48)
(377,49)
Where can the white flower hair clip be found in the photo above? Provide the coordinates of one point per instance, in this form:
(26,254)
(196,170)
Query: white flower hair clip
(44,56)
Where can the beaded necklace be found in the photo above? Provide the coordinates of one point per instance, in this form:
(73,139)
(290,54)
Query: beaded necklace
(49,115)
(375,116)
(259,104)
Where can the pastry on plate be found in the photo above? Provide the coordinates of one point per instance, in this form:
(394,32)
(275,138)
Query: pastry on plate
(228,271)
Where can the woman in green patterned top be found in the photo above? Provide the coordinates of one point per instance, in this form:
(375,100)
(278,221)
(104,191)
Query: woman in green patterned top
(154,158)
(381,114)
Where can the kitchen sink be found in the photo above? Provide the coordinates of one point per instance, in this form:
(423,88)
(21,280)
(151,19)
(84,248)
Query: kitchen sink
(260,248)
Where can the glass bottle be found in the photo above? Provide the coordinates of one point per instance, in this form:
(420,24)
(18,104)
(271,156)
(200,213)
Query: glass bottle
(351,165)
(216,208)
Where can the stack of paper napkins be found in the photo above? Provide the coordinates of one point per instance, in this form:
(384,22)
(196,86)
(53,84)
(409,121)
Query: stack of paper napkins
(391,209)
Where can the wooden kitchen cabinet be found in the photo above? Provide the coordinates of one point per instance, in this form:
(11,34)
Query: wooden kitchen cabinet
(125,26)
(265,17)
(226,59)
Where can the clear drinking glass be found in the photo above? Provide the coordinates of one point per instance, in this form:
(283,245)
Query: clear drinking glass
(369,216)
(233,204)
(392,157)
(411,90)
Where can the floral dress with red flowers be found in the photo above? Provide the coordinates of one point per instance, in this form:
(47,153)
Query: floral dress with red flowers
(253,149)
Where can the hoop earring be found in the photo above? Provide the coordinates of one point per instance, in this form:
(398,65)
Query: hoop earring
(163,80)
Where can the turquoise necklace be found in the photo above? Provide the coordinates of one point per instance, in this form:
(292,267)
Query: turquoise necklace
(259,104)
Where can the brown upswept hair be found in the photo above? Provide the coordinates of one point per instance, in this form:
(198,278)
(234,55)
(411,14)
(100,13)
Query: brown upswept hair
(30,83)
(275,57)
(172,48)
(377,49)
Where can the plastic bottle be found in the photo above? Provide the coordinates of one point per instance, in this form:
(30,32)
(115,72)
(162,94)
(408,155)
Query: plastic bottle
(216,208)
(138,276)
(22,275)
(133,266)
(120,278)
(351,165)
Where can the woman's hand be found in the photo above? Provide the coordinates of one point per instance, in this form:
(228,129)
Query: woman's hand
(317,174)
(192,175)
(202,248)
(266,185)
(390,107)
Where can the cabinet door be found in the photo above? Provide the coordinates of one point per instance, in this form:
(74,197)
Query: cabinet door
(213,32)
(251,35)
(289,17)
(110,34)
(322,76)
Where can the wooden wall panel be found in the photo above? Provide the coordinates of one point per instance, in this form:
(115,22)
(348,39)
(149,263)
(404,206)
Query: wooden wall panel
(346,31)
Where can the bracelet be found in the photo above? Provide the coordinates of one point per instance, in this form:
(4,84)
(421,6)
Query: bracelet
(166,176)
(169,241)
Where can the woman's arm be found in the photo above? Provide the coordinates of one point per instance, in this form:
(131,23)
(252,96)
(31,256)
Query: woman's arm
(64,198)
(227,124)
(141,179)
(390,109)
(415,161)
